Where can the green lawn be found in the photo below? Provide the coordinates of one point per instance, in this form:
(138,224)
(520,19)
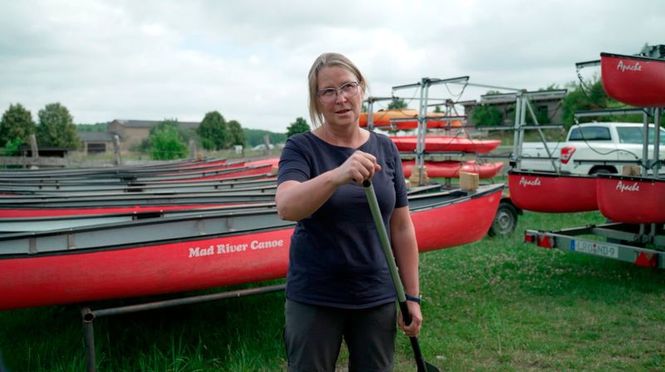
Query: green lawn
(497,304)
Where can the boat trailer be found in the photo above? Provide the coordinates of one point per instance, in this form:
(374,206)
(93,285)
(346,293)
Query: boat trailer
(643,245)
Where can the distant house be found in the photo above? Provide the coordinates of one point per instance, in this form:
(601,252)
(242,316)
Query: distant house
(133,132)
(96,142)
(44,151)
(546,102)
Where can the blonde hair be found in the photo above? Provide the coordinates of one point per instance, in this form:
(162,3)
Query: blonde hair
(328,60)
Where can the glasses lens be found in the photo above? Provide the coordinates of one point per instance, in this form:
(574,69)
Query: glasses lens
(330,94)
(350,89)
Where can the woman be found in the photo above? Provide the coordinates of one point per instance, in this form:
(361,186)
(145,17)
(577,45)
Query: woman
(338,284)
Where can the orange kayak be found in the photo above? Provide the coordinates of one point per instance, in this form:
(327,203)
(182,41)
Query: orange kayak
(446,143)
(408,119)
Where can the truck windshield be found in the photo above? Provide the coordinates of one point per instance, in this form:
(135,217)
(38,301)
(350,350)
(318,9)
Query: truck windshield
(634,135)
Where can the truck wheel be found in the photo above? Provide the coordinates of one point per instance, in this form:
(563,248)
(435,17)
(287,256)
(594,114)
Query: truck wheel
(505,220)
(601,170)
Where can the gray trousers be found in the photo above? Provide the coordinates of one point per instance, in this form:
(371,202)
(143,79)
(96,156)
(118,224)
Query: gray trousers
(313,337)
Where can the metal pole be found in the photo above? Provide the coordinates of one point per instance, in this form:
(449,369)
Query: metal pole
(89,339)
(370,115)
(522,121)
(542,135)
(422,130)
(645,145)
(88,315)
(517,141)
(656,142)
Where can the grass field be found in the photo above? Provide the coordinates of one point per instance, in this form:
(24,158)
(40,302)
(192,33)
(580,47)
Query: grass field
(498,304)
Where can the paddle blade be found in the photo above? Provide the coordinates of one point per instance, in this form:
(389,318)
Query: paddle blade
(430,368)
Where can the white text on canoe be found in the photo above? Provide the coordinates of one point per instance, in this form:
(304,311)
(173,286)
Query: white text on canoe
(234,248)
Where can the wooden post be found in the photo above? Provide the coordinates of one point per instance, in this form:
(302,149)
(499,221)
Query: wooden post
(35,153)
(33,147)
(116,150)
(416,177)
(192,149)
(266,141)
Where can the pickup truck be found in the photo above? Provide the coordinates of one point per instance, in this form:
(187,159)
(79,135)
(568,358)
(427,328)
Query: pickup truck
(592,148)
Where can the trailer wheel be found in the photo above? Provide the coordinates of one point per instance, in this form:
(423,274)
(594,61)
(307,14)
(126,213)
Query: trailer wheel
(505,220)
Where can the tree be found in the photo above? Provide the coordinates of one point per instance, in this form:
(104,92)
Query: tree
(97,127)
(213,132)
(16,124)
(254,137)
(486,115)
(56,127)
(184,133)
(580,98)
(12,147)
(298,126)
(236,134)
(166,142)
(397,104)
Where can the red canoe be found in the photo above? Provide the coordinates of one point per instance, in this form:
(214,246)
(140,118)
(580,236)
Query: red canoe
(551,192)
(446,143)
(451,169)
(407,119)
(637,81)
(199,251)
(631,199)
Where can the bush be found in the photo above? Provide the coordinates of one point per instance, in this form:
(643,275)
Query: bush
(167,144)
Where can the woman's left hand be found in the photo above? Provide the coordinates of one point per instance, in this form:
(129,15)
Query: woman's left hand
(412,329)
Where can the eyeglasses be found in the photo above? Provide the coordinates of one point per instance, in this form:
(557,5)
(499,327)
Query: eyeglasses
(329,95)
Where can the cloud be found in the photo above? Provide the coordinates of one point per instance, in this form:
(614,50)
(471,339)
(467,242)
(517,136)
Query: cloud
(163,59)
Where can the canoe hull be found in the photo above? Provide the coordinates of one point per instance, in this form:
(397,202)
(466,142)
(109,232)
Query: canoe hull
(451,169)
(631,199)
(637,81)
(408,120)
(192,264)
(552,193)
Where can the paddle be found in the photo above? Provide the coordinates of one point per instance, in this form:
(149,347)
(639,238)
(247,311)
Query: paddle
(423,366)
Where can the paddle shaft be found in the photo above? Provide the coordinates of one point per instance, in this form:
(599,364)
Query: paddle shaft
(394,274)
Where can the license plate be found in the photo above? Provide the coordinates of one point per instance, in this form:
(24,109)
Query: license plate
(597,249)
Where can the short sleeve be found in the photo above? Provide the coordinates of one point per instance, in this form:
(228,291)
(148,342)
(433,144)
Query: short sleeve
(293,164)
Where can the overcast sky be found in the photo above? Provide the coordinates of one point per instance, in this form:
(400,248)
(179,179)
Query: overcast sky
(157,59)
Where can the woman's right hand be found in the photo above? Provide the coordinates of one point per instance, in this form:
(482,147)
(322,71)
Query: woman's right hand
(358,167)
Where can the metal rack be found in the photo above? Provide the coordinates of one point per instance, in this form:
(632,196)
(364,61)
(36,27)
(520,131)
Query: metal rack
(423,85)
(641,244)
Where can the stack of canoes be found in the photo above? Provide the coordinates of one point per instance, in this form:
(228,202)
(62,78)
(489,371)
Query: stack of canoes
(633,80)
(448,144)
(71,236)
(407,119)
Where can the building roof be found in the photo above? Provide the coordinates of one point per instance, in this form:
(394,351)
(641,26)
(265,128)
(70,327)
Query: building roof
(95,136)
(152,123)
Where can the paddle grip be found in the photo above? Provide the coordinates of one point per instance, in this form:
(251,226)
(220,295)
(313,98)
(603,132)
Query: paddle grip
(406,315)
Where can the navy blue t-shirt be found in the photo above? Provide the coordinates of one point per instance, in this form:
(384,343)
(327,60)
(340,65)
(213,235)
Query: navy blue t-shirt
(335,257)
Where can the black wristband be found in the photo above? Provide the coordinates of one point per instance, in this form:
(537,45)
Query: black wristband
(412,298)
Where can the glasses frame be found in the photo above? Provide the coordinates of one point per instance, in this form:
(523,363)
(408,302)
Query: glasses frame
(336,92)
